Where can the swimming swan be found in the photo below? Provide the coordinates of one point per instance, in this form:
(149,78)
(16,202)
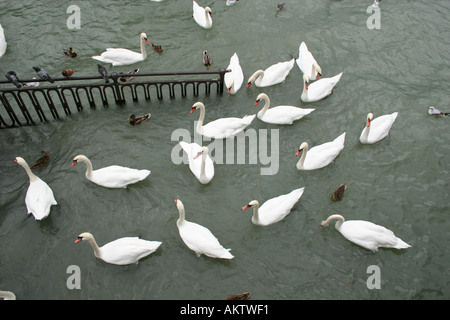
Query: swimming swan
(203,16)
(200,163)
(318,89)
(378,129)
(274,74)
(307,63)
(234,78)
(321,155)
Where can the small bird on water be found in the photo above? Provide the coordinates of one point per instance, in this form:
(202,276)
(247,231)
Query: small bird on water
(281,6)
(157,48)
(42,161)
(12,77)
(207,60)
(239,296)
(43,74)
(68,73)
(436,112)
(137,120)
(70,53)
(338,193)
(103,72)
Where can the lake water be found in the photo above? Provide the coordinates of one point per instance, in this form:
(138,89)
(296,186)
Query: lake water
(401,182)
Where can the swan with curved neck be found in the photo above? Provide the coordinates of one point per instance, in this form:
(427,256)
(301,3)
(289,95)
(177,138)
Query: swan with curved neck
(319,156)
(275,209)
(366,234)
(274,74)
(378,129)
(318,89)
(220,128)
(202,168)
(234,79)
(122,57)
(203,16)
(279,114)
(39,197)
(123,251)
(307,63)
(113,176)
(198,238)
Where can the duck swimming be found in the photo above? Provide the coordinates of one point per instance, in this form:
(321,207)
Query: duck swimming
(137,120)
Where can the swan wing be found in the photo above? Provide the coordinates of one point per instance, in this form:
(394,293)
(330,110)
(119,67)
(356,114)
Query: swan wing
(275,209)
(381,126)
(128,250)
(368,235)
(236,74)
(226,127)
(275,74)
(119,56)
(39,199)
(284,114)
(306,61)
(117,176)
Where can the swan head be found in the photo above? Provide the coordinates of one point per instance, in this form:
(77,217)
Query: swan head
(255,75)
(179,204)
(20,161)
(369,118)
(144,37)
(253,203)
(204,150)
(84,236)
(306,80)
(197,105)
(303,146)
(259,98)
(78,158)
(319,70)
(208,11)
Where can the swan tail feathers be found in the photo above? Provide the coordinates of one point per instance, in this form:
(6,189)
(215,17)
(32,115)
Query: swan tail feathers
(401,244)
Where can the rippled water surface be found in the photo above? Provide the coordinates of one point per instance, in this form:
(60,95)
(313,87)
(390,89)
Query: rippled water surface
(401,182)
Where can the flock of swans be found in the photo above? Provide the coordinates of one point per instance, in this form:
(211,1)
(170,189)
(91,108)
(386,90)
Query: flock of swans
(40,198)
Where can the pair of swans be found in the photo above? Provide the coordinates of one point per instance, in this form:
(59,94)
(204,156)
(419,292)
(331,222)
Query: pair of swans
(198,238)
(274,74)
(123,251)
(39,197)
(377,129)
(112,176)
(122,57)
(319,156)
(200,163)
(202,16)
(279,114)
(275,209)
(221,128)
(234,78)
(366,234)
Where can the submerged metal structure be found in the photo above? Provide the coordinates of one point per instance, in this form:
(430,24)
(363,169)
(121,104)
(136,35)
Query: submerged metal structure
(31,105)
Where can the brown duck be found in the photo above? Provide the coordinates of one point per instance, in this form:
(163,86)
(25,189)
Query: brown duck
(137,120)
(70,53)
(42,161)
(240,296)
(68,73)
(207,60)
(339,193)
(157,48)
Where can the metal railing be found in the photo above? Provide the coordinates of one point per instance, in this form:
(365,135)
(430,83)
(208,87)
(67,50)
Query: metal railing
(30,105)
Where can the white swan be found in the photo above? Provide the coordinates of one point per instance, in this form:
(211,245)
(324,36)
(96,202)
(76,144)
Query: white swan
(319,156)
(307,63)
(318,89)
(202,168)
(3,43)
(274,74)
(378,129)
(279,114)
(39,197)
(122,57)
(234,78)
(366,234)
(112,176)
(220,128)
(7,295)
(203,16)
(198,238)
(123,251)
(275,209)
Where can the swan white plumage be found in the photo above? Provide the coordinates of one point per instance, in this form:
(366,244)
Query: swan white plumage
(378,129)
(319,156)
(280,114)
(203,16)
(234,78)
(198,238)
(39,197)
(200,163)
(3,43)
(7,295)
(366,234)
(275,209)
(318,89)
(221,128)
(307,63)
(123,251)
(122,57)
(112,176)
(274,74)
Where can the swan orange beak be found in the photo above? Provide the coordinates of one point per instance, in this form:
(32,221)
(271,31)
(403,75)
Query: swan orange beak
(368,122)
(146,41)
(245,207)
(306,85)
(257,102)
(78,240)
(249,84)
(74,162)
(319,75)
(192,110)
(298,152)
(197,155)
(229,90)
(210,14)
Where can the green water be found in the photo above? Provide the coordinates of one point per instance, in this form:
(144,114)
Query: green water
(401,182)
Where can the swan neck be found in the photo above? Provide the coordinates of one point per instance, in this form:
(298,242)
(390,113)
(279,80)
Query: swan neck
(88,166)
(266,104)
(365,133)
(302,157)
(335,217)
(181,219)
(31,175)
(94,246)
(255,217)
(203,166)
(143,51)
(201,117)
